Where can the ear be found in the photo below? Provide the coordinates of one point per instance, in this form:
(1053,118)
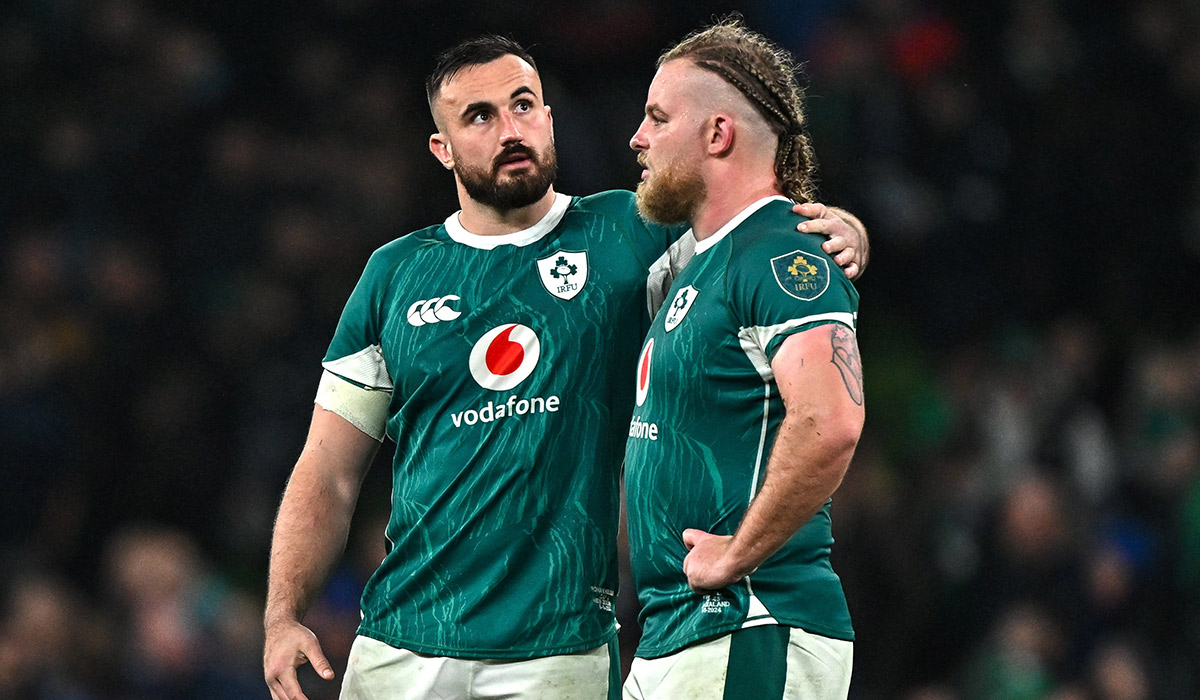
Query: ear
(720,134)
(548,116)
(439,146)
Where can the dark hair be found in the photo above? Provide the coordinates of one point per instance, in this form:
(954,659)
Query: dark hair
(767,75)
(472,52)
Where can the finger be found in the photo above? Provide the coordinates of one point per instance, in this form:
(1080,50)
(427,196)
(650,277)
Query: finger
(835,244)
(319,663)
(286,689)
(692,537)
(813,210)
(851,270)
(821,226)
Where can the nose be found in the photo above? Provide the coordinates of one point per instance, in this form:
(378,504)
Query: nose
(509,133)
(638,142)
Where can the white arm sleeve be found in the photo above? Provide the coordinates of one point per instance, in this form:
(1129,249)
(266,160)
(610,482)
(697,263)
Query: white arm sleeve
(365,409)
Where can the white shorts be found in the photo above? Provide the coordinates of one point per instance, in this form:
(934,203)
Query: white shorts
(771,662)
(378,671)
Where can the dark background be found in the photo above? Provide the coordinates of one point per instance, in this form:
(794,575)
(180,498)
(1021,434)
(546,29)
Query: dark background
(188,191)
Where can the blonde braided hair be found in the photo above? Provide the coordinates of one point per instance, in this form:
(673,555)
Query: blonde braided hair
(767,75)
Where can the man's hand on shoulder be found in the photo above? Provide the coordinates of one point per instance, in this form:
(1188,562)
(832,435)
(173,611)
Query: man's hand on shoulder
(847,245)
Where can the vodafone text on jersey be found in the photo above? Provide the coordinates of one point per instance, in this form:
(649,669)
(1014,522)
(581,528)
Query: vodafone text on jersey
(500,360)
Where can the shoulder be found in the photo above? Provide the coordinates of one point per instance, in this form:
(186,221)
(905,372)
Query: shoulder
(768,251)
(391,254)
(610,202)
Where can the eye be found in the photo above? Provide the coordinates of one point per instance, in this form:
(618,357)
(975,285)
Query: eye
(480,117)
(524,106)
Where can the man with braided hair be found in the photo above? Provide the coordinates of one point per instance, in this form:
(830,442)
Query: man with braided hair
(749,394)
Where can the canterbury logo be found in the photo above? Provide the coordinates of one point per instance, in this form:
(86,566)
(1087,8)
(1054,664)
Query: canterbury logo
(433,310)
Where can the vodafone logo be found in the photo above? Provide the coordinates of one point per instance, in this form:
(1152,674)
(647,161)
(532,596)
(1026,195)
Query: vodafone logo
(433,310)
(643,372)
(505,356)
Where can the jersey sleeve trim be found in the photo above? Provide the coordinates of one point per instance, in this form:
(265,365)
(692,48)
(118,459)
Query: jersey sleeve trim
(755,339)
(365,409)
(365,367)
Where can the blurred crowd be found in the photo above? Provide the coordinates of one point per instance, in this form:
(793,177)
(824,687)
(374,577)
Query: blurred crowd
(188,192)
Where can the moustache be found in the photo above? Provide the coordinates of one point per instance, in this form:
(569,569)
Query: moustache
(517,150)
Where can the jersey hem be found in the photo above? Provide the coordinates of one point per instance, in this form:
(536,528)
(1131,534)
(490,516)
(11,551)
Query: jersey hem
(507,653)
(655,652)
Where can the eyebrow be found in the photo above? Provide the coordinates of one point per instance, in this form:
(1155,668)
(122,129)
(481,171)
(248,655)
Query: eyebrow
(475,106)
(653,109)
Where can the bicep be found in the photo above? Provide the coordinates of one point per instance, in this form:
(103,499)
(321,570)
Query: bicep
(337,448)
(819,374)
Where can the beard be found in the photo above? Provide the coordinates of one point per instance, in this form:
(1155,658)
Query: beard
(672,195)
(516,190)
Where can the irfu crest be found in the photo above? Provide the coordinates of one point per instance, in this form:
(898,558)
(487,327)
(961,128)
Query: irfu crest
(802,275)
(564,273)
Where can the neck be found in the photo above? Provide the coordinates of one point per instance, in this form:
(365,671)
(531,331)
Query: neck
(483,220)
(728,194)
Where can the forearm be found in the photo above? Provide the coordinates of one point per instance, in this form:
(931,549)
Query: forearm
(314,516)
(310,535)
(804,470)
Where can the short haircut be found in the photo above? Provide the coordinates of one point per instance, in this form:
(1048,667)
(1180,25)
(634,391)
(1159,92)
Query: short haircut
(467,54)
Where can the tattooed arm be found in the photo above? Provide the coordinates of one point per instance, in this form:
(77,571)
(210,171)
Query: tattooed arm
(819,374)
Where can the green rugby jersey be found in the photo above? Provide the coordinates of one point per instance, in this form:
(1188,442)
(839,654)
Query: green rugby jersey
(707,410)
(508,360)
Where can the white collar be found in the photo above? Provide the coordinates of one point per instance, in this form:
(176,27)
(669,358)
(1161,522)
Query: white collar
(733,223)
(518,238)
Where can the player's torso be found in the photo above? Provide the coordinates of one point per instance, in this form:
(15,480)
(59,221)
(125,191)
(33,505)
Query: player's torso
(705,418)
(510,371)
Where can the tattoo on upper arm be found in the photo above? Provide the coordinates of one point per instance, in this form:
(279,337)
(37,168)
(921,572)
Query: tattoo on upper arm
(847,360)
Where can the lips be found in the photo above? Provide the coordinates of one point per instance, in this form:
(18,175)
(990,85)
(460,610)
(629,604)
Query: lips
(514,159)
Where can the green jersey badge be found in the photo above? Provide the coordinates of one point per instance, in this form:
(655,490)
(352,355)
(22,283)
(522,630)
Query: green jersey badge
(802,275)
(680,305)
(564,273)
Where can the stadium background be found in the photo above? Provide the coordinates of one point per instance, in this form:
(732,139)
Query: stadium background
(188,191)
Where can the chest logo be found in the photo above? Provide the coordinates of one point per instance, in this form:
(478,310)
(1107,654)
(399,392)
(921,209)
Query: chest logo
(505,356)
(802,275)
(643,372)
(680,305)
(433,310)
(564,273)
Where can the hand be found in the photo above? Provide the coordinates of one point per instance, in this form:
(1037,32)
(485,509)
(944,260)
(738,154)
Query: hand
(708,566)
(847,242)
(289,645)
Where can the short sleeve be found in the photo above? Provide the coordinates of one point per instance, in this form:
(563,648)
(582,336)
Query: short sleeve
(783,284)
(355,353)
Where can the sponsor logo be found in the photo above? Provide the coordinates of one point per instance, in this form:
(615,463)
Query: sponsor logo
(680,305)
(514,406)
(802,275)
(639,428)
(564,273)
(504,356)
(643,372)
(433,310)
